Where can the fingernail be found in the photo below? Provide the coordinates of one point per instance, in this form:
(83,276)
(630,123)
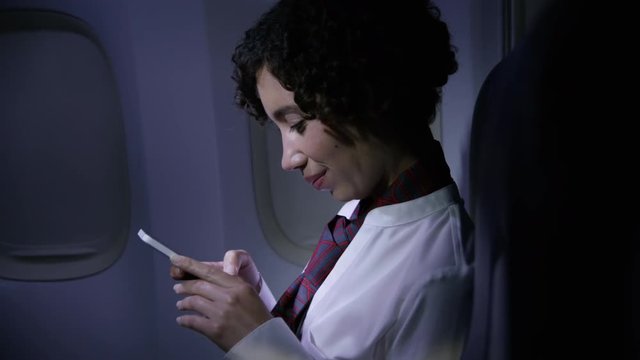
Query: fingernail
(176,287)
(227,268)
(176,259)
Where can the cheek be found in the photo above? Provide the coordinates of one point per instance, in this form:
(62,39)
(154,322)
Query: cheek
(336,155)
(321,146)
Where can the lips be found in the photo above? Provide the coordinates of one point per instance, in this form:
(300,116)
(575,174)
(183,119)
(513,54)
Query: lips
(316,180)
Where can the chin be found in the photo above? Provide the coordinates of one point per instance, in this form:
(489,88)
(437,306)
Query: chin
(341,196)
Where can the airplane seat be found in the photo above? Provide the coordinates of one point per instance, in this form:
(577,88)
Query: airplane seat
(547,189)
(64,184)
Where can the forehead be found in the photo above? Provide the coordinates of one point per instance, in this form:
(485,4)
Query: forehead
(272,94)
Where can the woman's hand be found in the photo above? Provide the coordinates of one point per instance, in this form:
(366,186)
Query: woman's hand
(225,306)
(236,262)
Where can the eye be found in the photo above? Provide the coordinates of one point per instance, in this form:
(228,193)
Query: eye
(299,126)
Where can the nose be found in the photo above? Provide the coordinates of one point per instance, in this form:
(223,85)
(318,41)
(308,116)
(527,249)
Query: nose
(292,157)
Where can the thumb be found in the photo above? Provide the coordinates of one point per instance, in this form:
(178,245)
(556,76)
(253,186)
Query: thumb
(231,262)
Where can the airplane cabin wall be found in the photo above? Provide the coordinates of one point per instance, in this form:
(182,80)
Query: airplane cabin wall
(109,315)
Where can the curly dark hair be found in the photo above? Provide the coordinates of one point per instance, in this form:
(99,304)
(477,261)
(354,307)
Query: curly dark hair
(362,67)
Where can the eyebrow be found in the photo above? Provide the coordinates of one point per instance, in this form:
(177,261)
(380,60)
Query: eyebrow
(280,113)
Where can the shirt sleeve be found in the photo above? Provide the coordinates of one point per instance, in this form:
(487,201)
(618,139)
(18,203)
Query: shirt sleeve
(272,340)
(266,295)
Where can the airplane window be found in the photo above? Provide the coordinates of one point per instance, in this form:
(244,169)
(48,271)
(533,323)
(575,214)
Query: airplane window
(64,191)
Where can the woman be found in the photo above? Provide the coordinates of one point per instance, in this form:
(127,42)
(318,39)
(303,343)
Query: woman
(352,85)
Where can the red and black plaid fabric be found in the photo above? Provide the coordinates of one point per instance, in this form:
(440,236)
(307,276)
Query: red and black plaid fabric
(296,298)
(420,179)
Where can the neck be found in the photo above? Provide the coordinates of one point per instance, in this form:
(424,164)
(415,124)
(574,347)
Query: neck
(398,167)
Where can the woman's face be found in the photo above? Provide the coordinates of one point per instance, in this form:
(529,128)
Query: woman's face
(348,172)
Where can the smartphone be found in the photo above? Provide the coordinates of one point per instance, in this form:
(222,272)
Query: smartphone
(155,243)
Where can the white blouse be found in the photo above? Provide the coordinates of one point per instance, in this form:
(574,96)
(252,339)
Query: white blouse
(401,290)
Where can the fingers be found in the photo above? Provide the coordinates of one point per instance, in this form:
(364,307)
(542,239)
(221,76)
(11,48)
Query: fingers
(175,272)
(194,322)
(201,288)
(199,321)
(223,314)
(220,333)
(178,274)
(207,271)
(198,304)
(231,262)
(234,260)
(239,262)
(223,307)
